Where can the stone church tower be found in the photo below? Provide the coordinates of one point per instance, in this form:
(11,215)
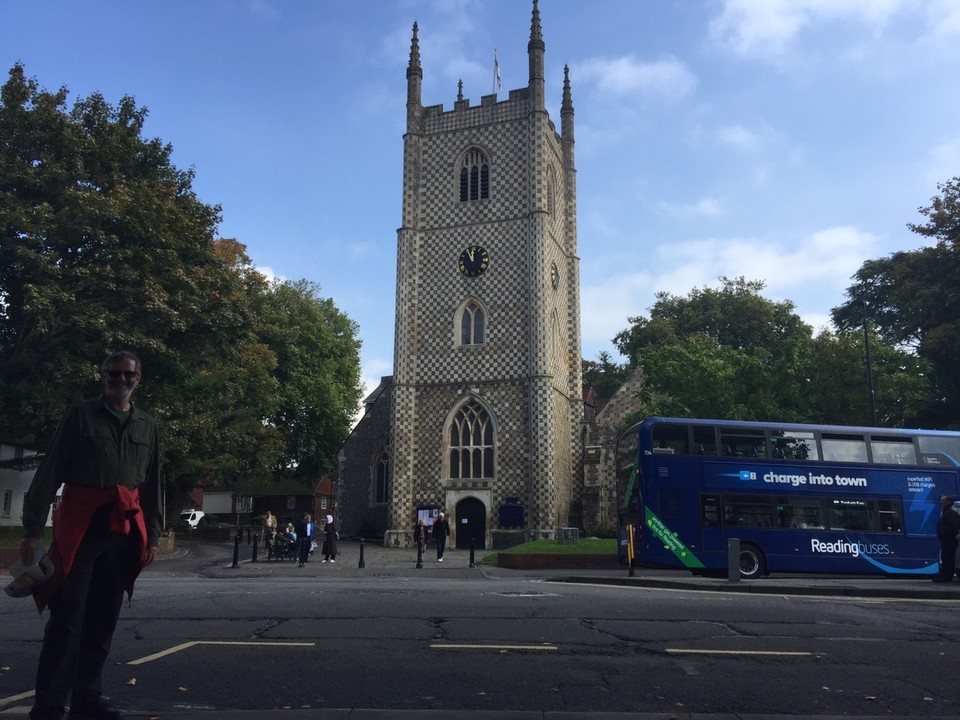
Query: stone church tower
(487,404)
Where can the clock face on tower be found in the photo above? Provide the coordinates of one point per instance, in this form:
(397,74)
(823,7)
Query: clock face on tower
(473,261)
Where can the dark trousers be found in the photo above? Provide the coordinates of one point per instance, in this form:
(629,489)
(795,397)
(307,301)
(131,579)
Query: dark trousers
(304,554)
(83,617)
(441,545)
(948,558)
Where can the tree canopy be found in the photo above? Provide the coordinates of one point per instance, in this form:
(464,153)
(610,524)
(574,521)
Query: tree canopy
(912,298)
(104,246)
(731,353)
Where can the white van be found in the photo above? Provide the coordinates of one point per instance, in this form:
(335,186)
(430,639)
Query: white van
(191,518)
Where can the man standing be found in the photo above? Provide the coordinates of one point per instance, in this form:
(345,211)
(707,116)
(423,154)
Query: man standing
(441,530)
(105,531)
(947,529)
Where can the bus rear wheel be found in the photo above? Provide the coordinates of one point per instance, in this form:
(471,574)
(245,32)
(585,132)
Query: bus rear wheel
(753,563)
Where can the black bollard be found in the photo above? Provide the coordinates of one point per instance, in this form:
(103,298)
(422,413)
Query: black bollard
(361,564)
(236,550)
(471,553)
(256,541)
(419,556)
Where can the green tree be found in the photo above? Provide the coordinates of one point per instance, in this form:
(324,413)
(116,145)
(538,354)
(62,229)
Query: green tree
(604,375)
(839,387)
(912,298)
(104,245)
(318,375)
(726,352)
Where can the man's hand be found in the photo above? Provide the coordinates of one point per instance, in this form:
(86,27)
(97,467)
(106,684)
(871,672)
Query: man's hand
(149,555)
(28,549)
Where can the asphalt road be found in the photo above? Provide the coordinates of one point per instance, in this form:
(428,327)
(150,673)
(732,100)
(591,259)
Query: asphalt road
(204,639)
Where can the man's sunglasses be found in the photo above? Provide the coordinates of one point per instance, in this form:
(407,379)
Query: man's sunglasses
(125,374)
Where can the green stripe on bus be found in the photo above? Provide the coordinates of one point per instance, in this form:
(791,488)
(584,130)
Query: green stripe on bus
(670,540)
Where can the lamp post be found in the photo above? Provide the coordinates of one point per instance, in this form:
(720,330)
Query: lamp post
(866,344)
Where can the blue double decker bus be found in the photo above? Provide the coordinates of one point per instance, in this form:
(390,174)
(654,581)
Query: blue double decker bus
(800,498)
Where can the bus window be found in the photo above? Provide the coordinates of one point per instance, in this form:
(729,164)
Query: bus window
(704,440)
(742,442)
(793,445)
(893,451)
(843,448)
(670,439)
(800,513)
(671,503)
(710,511)
(848,514)
(940,450)
(888,512)
(749,511)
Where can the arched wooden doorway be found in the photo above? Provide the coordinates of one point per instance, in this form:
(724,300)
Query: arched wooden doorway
(471,519)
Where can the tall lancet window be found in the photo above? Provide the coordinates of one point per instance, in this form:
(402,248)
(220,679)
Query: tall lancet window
(474,176)
(472,322)
(381,473)
(471,442)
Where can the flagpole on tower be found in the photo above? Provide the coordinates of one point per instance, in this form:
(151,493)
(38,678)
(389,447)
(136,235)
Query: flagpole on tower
(497,84)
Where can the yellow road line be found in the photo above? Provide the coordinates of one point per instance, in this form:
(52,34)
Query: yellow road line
(677,651)
(187,645)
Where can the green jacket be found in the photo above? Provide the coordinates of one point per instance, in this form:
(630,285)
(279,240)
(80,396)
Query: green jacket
(92,448)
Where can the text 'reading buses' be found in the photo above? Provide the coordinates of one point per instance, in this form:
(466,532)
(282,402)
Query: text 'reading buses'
(799,498)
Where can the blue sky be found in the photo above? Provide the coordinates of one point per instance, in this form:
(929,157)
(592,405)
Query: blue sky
(782,140)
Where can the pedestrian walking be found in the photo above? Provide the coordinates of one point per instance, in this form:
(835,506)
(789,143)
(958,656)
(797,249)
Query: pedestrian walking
(441,531)
(330,537)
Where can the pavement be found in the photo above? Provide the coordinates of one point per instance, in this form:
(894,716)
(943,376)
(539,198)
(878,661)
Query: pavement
(373,560)
(377,560)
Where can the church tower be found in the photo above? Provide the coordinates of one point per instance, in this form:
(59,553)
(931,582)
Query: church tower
(487,411)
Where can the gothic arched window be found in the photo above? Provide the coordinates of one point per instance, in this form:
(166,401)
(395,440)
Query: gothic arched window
(474,176)
(471,442)
(381,473)
(472,324)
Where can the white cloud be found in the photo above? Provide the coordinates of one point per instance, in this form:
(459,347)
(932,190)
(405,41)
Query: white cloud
(766,28)
(270,275)
(704,207)
(739,137)
(811,271)
(944,161)
(623,76)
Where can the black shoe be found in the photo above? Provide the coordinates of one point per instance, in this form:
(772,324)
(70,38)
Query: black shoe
(94,710)
(45,712)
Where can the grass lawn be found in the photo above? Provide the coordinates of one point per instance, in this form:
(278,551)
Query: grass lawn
(10,536)
(587,546)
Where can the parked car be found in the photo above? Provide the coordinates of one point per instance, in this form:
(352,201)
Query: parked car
(191,518)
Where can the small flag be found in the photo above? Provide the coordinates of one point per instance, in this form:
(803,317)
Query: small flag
(496,73)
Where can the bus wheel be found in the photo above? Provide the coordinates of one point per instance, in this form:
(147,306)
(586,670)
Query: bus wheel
(752,562)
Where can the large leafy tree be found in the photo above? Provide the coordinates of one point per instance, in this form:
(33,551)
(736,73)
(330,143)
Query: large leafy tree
(722,352)
(104,245)
(913,300)
(318,374)
(731,353)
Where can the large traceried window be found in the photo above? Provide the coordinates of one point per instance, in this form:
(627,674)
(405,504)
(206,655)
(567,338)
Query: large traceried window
(474,176)
(472,324)
(471,442)
(381,473)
